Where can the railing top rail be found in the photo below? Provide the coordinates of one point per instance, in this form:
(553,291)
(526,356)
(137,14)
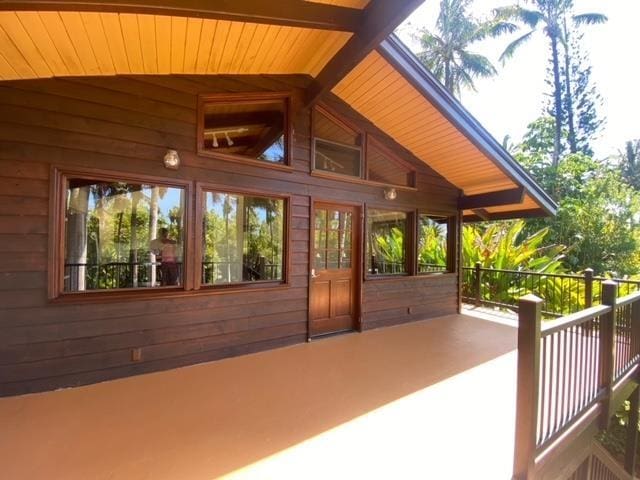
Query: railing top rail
(627,299)
(527,272)
(577,318)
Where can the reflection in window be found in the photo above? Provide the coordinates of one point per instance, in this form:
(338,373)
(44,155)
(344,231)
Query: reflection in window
(386,245)
(122,235)
(251,129)
(432,244)
(337,148)
(332,243)
(382,168)
(243,238)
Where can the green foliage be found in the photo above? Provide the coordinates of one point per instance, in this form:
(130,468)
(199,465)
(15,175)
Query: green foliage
(598,214)
(390,246)
(432,246)
(506,246)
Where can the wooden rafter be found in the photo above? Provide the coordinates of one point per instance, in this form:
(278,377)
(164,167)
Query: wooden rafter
(492,199)
(379,19)
(294,13)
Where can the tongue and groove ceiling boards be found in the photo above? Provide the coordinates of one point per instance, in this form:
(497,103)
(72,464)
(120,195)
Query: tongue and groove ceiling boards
(343,45)
(45,44)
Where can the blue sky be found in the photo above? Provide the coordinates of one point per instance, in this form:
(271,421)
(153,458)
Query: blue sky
(507,103)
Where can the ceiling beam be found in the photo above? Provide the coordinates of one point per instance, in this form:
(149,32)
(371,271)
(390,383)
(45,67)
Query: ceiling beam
(294,13)
(481,215)
(492,199)
(379,19)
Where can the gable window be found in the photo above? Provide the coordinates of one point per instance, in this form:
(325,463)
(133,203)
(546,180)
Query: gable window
(432,243)
(122,235)
(242,238)
(245,127)
(337,148)
(386,242)
(385,167)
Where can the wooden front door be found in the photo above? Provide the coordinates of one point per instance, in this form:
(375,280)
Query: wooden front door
(334,269)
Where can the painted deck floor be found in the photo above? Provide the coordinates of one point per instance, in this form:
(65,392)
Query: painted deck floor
(427,400)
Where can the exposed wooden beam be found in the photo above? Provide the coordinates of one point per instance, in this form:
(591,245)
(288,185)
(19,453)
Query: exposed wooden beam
(481,215)
(294,13)
(379,19)
(492,199)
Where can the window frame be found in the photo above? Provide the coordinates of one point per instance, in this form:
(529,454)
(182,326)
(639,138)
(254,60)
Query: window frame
(363,144)
(409,243)
(57,237)
(371,139)
(200,191)
(450,242)
(320,109)
(247,98)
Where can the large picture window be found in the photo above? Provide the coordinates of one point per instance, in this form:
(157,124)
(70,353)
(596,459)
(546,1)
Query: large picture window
(243,238)
(432,243)
(386,242)
(120,235)
(252,126)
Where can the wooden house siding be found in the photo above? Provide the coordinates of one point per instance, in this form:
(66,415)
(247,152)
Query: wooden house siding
(126,124)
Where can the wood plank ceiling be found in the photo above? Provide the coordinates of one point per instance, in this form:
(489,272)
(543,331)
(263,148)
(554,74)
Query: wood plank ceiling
(380,93)
(41,44)
(359,4)
(47,44)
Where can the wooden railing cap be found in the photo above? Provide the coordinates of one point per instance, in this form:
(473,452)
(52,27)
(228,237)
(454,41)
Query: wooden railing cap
(531,298)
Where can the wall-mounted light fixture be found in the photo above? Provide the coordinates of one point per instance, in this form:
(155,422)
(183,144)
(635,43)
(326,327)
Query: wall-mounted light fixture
(390,193)
(171,160)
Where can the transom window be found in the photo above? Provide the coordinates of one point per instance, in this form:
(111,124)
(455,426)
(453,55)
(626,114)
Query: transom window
(119,234)
(253,128)
(432,243)
(384,167)
(243,238)
(386,242)
(337,147)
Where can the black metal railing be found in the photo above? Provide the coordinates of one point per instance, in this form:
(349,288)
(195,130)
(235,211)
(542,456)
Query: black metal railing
(562,294)
(231,272)
(431,268)
(110,275)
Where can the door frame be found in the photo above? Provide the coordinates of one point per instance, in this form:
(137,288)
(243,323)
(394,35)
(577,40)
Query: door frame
(357,266)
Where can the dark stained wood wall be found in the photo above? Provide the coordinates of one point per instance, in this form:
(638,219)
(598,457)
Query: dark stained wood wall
(126,124)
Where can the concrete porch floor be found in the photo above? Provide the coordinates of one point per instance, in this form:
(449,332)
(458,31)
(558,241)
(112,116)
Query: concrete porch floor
(429,400)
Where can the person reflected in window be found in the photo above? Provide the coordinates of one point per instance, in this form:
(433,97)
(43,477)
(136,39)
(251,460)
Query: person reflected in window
(165,250)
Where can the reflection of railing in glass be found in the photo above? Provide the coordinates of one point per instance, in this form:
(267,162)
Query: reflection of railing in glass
(235,272)
(431,268)
(113,275)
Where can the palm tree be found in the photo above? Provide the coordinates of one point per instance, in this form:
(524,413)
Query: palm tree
(550,16)
(446,53)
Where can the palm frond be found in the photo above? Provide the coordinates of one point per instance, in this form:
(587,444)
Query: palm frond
(476,65)
(513,46)
(590,19)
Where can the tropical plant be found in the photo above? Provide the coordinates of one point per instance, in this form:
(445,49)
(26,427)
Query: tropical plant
(446,52)
(550,15)
(505,248)
(432,245)
(389,250)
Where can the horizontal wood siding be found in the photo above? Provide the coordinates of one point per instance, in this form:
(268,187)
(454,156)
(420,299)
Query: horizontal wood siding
(401,300)
(126,124)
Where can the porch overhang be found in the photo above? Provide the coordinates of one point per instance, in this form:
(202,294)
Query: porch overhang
(345,46)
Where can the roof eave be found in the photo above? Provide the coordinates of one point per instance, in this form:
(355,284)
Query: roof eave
(409,66)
